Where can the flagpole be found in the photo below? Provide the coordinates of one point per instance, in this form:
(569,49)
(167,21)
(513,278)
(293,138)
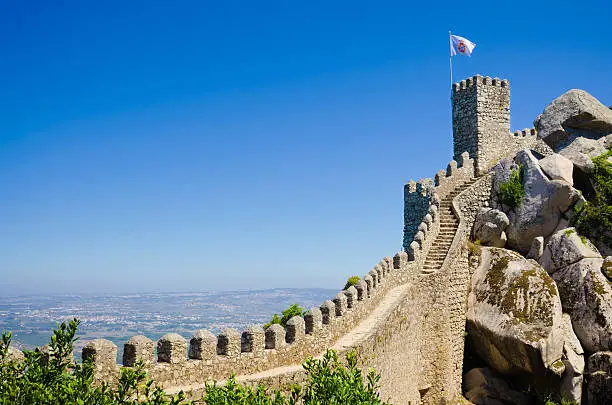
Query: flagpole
(450,60)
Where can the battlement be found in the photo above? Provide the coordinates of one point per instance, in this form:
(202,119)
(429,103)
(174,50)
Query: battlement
(422,200)
(176,361)
(478,80)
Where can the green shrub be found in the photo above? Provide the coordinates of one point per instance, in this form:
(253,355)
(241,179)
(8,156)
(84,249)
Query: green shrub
(61,381)
(594,218)
(511,192)
(351,282)
(290,312)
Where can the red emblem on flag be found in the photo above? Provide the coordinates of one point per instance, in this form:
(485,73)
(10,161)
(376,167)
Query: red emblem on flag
(461,47)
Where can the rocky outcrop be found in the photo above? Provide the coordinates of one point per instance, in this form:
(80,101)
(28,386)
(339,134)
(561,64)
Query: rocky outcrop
(543,203)
(483,387)
(573,359)
(599,379)
(586,295)
(558,167)
(566,247)
(489,227)
(514,318)
(574,112)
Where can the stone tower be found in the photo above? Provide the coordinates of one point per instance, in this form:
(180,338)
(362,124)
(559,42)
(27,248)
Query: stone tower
(481,119)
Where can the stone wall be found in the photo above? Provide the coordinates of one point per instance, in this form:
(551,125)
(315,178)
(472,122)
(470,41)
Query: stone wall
(422,198)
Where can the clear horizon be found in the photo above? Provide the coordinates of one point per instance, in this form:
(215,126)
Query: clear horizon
(151,146)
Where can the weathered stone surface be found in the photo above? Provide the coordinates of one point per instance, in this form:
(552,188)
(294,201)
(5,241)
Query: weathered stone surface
(275,336)
(172,348)
(558,167)
(139,347)
(573,359)
(229,342)
(586,295)
(313,319)
(599,379)
(483,387)
(573,110)
(514,314)
(537,248)
(203,345)
(606,268)
(295,329)
(14,355)
(489,227)
(566,247)
(543,203)
(253,340)
(103,354)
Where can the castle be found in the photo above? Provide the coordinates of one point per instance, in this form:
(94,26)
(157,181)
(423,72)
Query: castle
(405,317)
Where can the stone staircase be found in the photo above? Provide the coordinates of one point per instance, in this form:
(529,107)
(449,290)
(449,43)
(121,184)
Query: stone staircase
(448,227)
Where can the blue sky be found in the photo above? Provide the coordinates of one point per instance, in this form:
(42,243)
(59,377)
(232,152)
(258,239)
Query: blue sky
(165,146)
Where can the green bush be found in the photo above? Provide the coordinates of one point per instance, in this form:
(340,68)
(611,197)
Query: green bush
(594,218)
(58,380)
(351,282)
(290,312)
(511,192)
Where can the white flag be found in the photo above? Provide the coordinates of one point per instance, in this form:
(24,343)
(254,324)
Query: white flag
(460,45)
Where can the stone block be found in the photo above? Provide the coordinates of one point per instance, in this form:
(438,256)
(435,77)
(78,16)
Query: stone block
(139,347)
(328,312)
(172,348)
(103,354)
(295,329)
(253,339)
(369,284)
(400,260)
(340,302)
(203,345)
(275,336)
(229,342)
(351,296)
(362,290)
(313,318)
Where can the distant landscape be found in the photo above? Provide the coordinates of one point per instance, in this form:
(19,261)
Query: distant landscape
(119,317)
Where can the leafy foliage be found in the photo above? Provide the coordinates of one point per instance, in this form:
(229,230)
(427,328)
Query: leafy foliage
(594,218)
(351,282)
(54,379)
(290,312)
(511,192)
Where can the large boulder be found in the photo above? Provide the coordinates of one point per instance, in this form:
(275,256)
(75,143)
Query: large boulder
(572,112)
(586,295)
(566,247)
(543,203)
(558,167)
(483,387)
(514,317)
(599,379)
(489,227)
(573,359)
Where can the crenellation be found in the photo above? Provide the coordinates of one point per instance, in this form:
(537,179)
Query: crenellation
(139,348)
(369,283)
(340,304)
(362,290)
(171,348)
(203,345)
(313,319)
(351,296)
(229,342)
(275,336)
(399,260)
(253,340)
(295,330)
(103,354)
